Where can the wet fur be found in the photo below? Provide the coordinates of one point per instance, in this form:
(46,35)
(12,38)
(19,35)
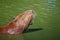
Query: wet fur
(17,26)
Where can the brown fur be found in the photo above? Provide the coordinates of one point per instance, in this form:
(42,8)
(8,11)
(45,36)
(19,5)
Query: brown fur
(19,24)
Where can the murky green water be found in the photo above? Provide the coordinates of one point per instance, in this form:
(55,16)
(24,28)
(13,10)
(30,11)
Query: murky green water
(47,17)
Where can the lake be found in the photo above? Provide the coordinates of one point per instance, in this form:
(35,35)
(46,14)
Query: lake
(47,18)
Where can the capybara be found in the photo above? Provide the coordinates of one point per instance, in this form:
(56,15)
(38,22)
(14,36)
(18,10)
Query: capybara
(18,24)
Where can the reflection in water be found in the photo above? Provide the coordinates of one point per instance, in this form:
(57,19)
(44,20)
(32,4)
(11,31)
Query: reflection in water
(18,37)
(32,30)
(11,37)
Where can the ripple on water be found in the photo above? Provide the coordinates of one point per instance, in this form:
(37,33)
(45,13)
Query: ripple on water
(45,15)
(51,4)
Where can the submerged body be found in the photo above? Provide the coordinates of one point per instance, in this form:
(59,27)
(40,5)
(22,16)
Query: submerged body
(19,24)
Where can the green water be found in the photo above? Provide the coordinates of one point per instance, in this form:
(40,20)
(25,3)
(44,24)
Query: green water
(47,18)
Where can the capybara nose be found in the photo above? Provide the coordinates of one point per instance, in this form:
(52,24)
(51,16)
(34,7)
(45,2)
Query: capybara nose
(30,12)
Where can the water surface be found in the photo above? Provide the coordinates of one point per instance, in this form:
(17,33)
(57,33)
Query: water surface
(47,17)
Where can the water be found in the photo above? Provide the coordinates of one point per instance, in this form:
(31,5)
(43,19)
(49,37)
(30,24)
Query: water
(47,17)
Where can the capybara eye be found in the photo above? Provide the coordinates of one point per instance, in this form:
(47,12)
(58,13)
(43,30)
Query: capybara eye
(15,21)
(30,23)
